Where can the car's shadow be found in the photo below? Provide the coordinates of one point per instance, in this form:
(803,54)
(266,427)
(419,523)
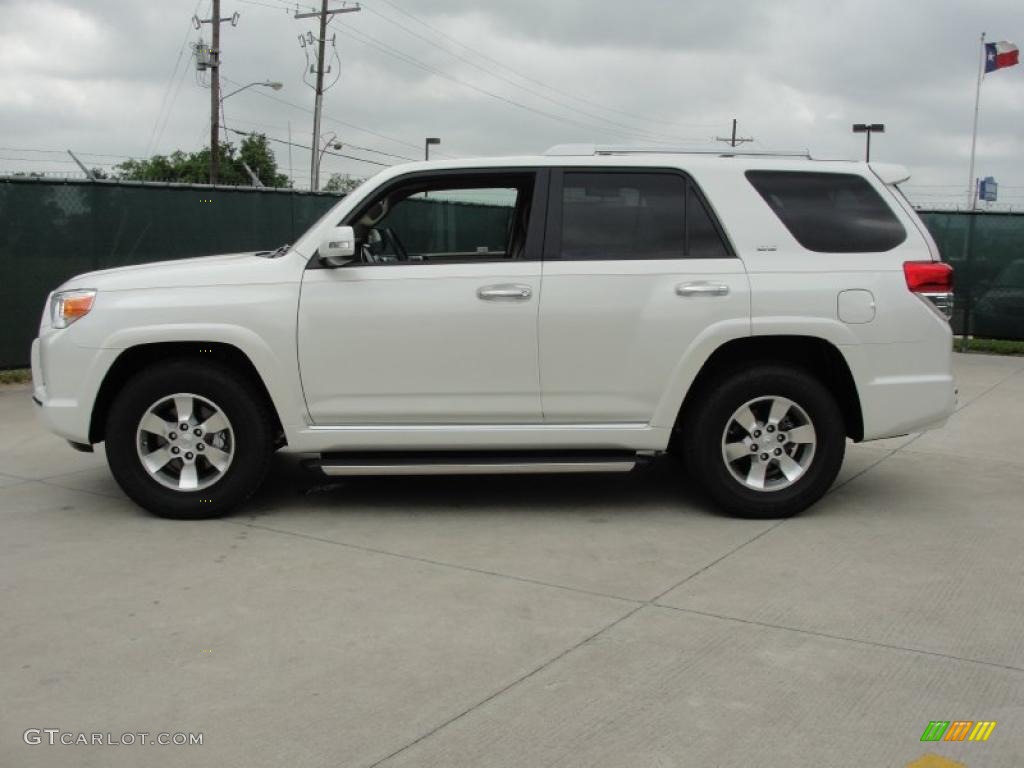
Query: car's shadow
(655,486)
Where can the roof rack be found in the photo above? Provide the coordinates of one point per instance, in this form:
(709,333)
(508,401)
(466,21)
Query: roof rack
(613,149)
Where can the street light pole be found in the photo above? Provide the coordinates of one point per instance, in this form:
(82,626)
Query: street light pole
(427,144)
(868,128)
(331,143)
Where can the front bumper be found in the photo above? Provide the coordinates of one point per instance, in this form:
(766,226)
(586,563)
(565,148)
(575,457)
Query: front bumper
(65,381)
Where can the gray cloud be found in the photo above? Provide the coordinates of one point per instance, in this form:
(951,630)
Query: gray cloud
(795,72)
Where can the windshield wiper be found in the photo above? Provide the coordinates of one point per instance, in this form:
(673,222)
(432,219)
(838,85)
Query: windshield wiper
(278,252)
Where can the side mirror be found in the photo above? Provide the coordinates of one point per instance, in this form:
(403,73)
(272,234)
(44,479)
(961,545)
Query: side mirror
(339,247)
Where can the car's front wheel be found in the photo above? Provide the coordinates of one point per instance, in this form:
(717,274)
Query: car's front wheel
(765,442)
(188,440)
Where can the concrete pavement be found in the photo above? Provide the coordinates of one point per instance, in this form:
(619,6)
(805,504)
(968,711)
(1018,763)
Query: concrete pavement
(524,621)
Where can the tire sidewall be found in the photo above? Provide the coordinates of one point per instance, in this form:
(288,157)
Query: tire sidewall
(238,404)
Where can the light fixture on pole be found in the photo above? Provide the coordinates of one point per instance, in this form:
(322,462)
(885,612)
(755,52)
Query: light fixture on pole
(272,84)
(868,128)
(433,140)
(329,143)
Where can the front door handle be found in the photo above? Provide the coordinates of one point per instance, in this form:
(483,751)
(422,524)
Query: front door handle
(505,292)
(702,289)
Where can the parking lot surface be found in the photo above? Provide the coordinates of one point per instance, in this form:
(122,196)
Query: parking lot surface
(524,621)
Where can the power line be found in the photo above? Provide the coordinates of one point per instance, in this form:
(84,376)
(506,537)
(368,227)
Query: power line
(47,160)
(150,145)
(295,6)
(372,42)
(734,140)
(308,111)
(326,152)
(61,152)
(648,135)
(391,51)
(541,83)
(347,143)
(322,16)
(169,111)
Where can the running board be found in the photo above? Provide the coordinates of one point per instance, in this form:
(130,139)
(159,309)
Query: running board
(475,462)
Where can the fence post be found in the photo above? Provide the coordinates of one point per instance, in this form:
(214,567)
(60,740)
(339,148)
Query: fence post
(968,293)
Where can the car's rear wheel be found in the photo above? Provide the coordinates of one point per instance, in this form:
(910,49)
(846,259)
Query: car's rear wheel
(188,440)
(765,442)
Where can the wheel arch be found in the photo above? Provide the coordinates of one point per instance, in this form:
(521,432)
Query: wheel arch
(819,357)
(136,358)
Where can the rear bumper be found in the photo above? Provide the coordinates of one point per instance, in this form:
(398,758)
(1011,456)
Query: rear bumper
(899,405)
(906,388)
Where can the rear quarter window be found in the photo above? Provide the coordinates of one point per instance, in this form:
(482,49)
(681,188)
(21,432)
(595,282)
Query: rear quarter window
(830,212)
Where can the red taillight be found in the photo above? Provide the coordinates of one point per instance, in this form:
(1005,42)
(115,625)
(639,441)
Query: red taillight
(928,276)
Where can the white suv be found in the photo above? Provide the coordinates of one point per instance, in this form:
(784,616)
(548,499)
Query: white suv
(575,312)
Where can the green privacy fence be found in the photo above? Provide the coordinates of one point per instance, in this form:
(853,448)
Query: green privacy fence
(987,253)
(50,231)
(448,226)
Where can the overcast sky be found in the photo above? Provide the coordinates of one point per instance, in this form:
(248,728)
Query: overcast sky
(98,76)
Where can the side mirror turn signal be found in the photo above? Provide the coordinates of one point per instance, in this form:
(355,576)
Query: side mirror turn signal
(339,247)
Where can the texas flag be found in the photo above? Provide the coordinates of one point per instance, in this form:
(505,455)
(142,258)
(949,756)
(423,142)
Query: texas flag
(999,55)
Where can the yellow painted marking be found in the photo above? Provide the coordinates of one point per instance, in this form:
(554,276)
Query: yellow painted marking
(935,761)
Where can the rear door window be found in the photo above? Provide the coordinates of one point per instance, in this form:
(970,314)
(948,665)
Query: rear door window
(830,212)
(635,215)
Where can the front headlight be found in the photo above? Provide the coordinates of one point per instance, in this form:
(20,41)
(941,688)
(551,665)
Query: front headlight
(68,306)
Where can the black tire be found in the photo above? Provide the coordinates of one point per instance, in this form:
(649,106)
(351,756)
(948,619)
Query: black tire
(251,441)
(705,425)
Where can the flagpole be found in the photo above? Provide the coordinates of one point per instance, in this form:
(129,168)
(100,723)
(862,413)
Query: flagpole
(972,191)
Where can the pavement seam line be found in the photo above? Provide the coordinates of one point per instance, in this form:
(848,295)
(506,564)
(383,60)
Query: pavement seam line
(978,397)
(440,563)
(843,638)
(509,686)
(713,563)
(101,494)
(16,477)
(771,528)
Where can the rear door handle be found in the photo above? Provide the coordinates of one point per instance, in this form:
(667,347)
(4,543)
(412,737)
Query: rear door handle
(504,292)
(702,289)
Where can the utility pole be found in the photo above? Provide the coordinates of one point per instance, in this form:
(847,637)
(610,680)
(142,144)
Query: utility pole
(215,95)
(734,139)
(214,66)
(323,14)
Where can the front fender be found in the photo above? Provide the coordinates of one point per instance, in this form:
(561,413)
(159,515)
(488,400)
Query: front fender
(279,373)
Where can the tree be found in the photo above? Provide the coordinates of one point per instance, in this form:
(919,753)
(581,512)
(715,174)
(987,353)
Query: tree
(256,153)
(339,183)
(194,167)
